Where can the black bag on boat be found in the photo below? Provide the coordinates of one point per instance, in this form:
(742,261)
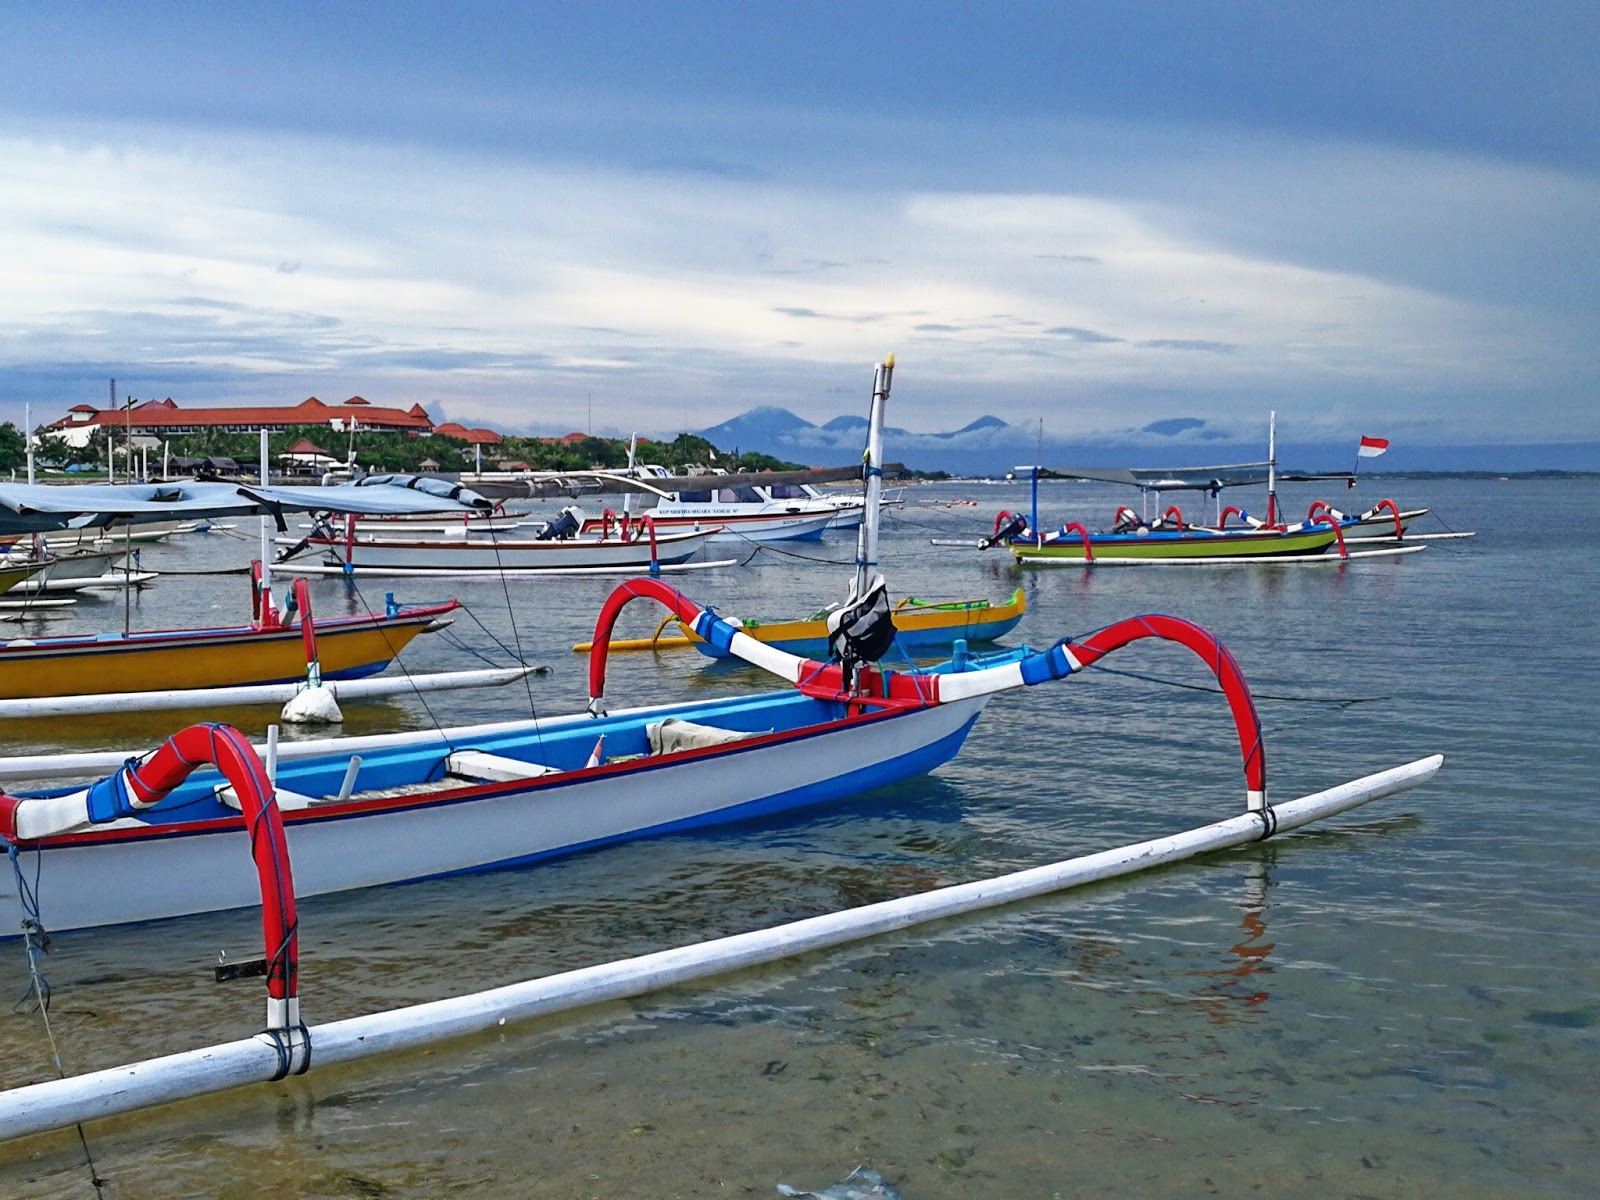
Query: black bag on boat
(862,629)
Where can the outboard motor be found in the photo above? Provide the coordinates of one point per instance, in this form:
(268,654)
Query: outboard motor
(564,525)
(1017,526)
(861,630)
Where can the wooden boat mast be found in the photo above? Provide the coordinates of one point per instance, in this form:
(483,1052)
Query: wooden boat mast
(872,475)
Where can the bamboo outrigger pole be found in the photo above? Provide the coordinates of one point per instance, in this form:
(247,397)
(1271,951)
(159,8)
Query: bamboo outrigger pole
(62,1103)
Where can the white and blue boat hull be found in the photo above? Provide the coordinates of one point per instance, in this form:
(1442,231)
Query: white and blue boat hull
(191,855)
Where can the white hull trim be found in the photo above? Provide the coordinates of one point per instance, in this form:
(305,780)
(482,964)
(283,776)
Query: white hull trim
(1332,558)
(296,568)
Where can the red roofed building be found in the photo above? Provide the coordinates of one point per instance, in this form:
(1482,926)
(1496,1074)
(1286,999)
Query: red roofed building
(157,418)
(473,437)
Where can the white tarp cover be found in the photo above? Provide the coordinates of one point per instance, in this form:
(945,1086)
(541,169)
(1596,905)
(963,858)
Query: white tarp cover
(25,508)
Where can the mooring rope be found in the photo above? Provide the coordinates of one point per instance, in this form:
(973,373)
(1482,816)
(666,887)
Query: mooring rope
(36,942)
(516,652)
(1340,701)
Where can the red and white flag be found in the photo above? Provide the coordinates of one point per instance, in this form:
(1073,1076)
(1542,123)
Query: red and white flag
(1371,447)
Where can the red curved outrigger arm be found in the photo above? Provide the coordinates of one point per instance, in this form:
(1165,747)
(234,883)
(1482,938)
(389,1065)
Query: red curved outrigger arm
(1175,512)
(146,782)
(917,690)
(1231,510)
(1077,528)
(681,606)
(1399,530)
(232,754)
(648,523)
(1216,656)
(1338,531)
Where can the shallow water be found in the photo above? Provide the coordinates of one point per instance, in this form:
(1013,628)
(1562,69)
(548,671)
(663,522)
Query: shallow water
(1403,1002)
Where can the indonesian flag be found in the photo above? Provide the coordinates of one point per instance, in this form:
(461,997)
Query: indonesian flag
(1372,447)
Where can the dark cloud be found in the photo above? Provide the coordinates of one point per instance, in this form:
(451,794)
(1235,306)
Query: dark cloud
(714,168)
(1073,334)
(1200,344)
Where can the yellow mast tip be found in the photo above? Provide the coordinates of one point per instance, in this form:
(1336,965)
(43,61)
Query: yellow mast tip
(889,361)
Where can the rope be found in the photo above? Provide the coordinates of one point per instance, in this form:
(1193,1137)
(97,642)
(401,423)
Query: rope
(516,653)
(461,643)
(36,942)
(1340,701)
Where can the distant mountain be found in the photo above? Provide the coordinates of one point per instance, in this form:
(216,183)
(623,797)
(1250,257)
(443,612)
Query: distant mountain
(755,429)
(782,434)
(1175,426)
(990,446)
(982,423)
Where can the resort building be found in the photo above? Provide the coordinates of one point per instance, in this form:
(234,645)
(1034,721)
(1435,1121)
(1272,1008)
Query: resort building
(164,418)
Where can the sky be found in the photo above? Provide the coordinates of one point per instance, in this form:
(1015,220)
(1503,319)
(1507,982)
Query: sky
(1377,218)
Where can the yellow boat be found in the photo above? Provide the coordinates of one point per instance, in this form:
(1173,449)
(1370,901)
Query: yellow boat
(919,625)
(82,664)
(13,574)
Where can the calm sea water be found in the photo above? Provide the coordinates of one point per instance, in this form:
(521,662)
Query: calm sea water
(1403,1002)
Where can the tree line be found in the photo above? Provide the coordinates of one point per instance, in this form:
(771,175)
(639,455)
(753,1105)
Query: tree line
(399,452)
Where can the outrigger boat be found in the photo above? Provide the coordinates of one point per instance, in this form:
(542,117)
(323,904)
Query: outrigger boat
(919,626)
(1170,540)
(364,811)
(1074,545)
(165,834)
(556,547)
(1139,537)
(361,812)
(16,573)
(272,648)
(276,646)
(737,512)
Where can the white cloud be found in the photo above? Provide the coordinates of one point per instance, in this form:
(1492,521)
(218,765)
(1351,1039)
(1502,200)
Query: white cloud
(500,287)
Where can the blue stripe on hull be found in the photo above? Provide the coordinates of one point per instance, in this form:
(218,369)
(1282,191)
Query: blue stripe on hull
(907,766)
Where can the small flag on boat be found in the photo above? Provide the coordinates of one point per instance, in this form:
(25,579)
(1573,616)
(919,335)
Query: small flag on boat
(595,756)
(1372,447)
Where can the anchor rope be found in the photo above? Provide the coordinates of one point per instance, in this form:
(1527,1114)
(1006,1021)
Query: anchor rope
(1341,701)
(36,942)
(405,670)
(516,653)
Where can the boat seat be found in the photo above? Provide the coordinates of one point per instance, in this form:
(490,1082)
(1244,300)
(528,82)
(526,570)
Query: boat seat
(483,767)
(673,734)
(287,801)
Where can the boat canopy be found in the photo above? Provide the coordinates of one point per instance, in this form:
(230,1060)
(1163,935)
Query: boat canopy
(1180,479)
(29,508)
(556,483)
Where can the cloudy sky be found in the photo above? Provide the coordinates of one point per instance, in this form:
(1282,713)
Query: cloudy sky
(1368,216)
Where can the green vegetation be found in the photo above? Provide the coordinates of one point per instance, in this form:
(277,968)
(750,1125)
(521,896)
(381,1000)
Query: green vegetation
(403,453)
(13,448)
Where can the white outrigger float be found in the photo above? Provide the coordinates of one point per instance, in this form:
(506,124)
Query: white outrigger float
(165,834)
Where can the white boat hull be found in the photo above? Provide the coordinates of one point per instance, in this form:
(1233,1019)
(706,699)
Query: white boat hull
(122,872)
(507,554)
(1380,528)
(732,525)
